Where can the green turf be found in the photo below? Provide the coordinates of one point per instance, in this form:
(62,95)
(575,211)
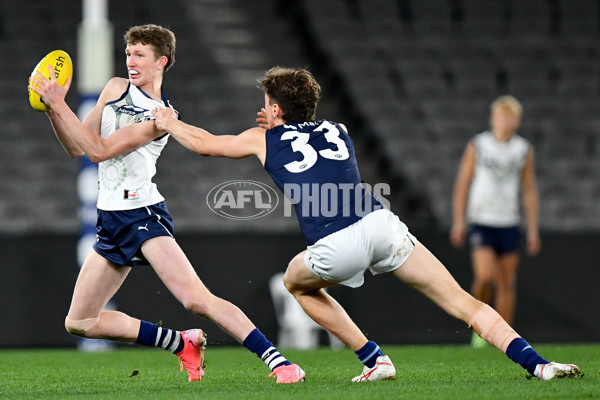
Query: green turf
(424,372)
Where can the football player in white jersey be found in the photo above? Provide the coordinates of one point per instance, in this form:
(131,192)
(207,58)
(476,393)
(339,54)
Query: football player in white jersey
(134,226)
(496,167)
(295,147)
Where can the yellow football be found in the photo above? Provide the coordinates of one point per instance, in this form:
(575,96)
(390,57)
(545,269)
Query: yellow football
(63,68)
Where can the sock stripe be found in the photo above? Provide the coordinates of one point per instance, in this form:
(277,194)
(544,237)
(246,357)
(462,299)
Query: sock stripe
(368,354)
(158,335)
(371,355)
(175,342)
(273,358)
(276,362)
(267,353)
(270,358)
(167,338)
(272,355)
(152,335)
(257,343)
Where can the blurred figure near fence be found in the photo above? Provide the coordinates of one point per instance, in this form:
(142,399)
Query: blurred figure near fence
(486,213)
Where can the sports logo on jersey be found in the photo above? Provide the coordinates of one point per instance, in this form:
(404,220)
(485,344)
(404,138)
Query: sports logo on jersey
(242,199)
(130,110)
(128,114)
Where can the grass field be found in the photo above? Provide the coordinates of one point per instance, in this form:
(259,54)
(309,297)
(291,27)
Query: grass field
(424,372)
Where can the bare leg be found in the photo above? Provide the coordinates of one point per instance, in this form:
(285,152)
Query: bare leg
(176,272)
(307,288)
(506,286)
(98,281)
(484,273)
(423,271)
(426,273)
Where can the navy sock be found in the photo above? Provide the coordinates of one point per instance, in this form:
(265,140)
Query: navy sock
(257,343)
(522,353)
(152,335)
(368,354)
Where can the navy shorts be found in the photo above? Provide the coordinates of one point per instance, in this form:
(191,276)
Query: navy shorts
(120,234)
(502,240)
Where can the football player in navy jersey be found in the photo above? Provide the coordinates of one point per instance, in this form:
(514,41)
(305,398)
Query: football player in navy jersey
(134,225)
(348,230)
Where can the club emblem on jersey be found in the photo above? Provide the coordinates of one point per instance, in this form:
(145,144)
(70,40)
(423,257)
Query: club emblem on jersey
(242,199)
(112,173)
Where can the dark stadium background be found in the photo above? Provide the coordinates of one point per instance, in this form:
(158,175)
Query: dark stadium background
(411,79)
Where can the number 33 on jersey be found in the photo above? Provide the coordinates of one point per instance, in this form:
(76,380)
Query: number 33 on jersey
(314,165)
(300,143)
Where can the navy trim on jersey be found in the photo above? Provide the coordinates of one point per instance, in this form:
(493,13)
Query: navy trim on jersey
(122,95)
(163,96)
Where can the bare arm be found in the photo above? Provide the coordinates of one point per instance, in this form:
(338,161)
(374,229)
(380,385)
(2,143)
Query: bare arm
(122,141)
(62,128)
(531,203)
(78,138)
(198,140)
(459,198)
(50,91)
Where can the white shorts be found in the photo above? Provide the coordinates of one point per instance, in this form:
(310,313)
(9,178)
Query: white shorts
(379,242)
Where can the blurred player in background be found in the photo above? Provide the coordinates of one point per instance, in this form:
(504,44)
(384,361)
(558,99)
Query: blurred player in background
(494,166)
(134,225)
(354,232)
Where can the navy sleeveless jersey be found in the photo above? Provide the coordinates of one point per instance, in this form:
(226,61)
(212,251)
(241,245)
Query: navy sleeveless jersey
(314,165)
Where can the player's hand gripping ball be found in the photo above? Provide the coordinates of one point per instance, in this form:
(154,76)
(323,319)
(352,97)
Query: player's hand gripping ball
(63,69)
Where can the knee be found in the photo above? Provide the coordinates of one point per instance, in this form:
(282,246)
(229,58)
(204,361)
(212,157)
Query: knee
(506,282)
(484,279)
(292,277)
(297,288)
(197,306)
(290,283)
(80,327)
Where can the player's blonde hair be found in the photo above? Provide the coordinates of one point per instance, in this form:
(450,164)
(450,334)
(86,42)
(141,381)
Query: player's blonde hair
(161,39)
(509,103)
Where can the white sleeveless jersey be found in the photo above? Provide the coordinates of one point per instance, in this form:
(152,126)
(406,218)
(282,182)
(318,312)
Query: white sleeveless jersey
(125,181)
(495,188)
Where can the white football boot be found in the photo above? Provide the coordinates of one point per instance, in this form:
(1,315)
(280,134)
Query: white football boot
(383,370)
(545,372)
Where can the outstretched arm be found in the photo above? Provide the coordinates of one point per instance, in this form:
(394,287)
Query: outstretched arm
(248,143)
(78,138)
